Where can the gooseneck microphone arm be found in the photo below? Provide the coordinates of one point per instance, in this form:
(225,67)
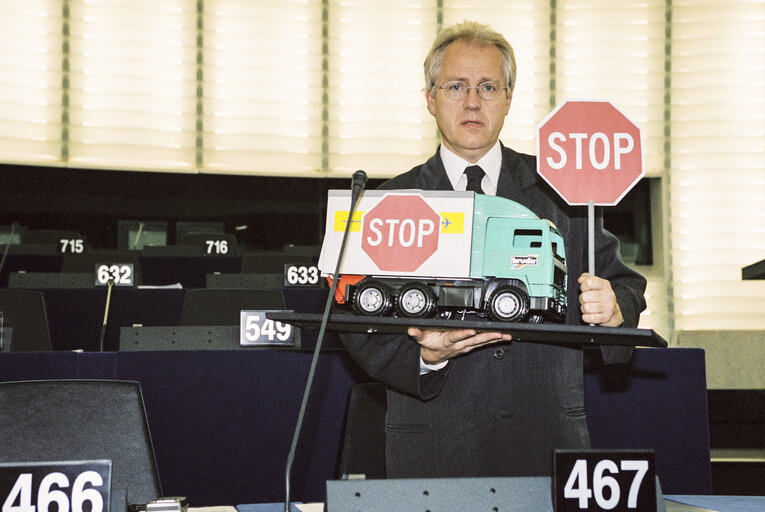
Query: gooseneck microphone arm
(109,285)
(358,181)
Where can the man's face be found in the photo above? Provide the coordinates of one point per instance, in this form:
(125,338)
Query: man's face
(471,126)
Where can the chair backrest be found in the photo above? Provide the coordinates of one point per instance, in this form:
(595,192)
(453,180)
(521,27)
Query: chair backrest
(363,449)
(222,307)
(308,250)
(214,281)
(184,228)
(658,401)
(56,420)
(268,262)
(24,312)
(50,236)
(219,244)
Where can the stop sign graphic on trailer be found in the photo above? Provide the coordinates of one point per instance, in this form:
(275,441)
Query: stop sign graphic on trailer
(400,233)
(589,151)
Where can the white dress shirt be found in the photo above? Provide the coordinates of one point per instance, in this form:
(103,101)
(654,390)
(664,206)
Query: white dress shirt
(455,167)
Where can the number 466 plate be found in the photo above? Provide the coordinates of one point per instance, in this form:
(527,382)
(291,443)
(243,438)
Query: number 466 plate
(63,486)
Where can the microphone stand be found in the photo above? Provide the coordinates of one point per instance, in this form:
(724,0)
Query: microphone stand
(109,285)
(359,180)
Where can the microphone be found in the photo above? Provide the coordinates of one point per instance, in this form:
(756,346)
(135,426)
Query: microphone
(357,185)
(109,285)
(358,181)
(14,227)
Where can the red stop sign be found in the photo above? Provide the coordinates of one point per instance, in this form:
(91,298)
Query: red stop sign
(400,233)
(589,151)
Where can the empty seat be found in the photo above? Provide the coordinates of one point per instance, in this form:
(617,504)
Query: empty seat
(60,420)
(24,312)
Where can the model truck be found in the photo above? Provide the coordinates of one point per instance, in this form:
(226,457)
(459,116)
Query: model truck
(415,253)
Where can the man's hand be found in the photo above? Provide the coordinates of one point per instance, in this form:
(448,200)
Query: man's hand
(598,301)
(439,346)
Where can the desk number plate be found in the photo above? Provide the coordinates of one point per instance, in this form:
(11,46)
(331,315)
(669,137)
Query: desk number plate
(71,246)
(121,273)
(302,276)
(255,329)
(605,480)
(55,486)
(215,247)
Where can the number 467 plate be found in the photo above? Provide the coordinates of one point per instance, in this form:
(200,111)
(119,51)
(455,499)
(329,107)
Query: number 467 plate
(605,480)
(63,486)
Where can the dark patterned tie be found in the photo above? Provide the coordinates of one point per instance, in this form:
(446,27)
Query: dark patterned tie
(474,176)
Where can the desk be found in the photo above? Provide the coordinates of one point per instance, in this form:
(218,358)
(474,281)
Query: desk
(75,315)
(672,503)
(718,503)
(222,421)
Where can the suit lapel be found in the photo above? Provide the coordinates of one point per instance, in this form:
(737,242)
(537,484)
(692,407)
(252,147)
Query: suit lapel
(434,174)
(517,180)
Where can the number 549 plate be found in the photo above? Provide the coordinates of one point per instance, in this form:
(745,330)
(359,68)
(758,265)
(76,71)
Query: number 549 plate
(57,486)
(255,329)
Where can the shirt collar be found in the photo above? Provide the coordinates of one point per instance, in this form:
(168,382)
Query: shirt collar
(455,167)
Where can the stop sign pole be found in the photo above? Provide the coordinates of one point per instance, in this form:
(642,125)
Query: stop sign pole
(590,154)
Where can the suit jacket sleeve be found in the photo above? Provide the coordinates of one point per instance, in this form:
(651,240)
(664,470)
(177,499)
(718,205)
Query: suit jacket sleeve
(628,285)
(394,359)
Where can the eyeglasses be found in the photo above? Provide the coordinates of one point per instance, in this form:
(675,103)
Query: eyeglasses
(457,90)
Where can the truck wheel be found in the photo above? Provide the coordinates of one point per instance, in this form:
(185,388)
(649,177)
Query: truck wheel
(372,298)
(508,304)
(416,300)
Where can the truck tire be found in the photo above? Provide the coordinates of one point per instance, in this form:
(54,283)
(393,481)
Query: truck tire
(415,300)
(508,304)
(372,298)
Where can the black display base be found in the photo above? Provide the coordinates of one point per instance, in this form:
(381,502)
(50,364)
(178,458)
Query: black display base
(549,333)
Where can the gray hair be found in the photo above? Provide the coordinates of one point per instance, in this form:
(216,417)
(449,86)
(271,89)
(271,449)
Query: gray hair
(472,32)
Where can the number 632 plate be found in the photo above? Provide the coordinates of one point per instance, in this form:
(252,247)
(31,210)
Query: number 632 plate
(82,486)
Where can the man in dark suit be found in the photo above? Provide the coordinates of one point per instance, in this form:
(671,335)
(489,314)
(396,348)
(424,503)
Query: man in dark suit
(467,403)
